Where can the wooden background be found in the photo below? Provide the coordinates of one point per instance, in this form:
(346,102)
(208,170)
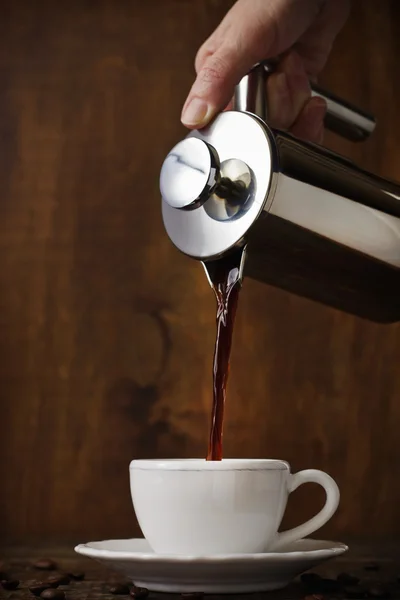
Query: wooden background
(107,332)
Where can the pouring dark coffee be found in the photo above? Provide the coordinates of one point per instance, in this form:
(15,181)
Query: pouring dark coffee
(311,222)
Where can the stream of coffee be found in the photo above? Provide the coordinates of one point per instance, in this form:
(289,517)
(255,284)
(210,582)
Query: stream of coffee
(225,279)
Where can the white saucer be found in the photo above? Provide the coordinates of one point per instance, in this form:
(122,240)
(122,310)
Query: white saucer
(228,573)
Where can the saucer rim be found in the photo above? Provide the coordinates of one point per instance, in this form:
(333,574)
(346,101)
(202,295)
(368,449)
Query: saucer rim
(336,548)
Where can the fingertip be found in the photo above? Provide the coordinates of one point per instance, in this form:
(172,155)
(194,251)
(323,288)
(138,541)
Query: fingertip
(196,113)
(214,85)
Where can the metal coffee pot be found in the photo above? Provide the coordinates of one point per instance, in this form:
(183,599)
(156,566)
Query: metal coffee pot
(297,216)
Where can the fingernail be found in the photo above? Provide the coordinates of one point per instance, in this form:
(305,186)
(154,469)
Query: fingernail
(196,112)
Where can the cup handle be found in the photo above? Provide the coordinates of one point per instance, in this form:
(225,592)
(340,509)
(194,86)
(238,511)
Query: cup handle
(331,504)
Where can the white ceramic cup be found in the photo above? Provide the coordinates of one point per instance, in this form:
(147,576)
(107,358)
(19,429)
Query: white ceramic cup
(198,507)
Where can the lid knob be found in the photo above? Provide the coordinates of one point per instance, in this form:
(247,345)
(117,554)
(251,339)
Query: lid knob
(189,174)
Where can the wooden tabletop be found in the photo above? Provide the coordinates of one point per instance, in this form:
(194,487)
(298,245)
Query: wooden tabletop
(377,567)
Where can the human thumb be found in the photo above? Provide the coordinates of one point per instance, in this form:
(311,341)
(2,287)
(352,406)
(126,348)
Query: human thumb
(253,30)
(214,86)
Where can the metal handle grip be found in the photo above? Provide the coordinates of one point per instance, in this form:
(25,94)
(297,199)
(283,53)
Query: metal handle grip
(341,117)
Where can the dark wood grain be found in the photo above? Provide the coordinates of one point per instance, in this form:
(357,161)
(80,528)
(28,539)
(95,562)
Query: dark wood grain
(107,332)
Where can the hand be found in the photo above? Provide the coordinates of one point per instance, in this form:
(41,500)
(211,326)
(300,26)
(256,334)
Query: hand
(300,31)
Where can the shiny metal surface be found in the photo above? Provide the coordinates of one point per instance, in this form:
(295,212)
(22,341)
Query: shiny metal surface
(192,175)
(250,93)
(310,221)
(234,192)
(328,195)
(331,234)
(344,119)
(341,118)
(305,184)
(240,258)
(189,174)
(242,137)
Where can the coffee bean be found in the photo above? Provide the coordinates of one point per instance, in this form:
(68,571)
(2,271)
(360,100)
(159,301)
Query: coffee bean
(137,592)
(378,592)
(45,564)
(9,584)
(347,579)
(355,591)
(119,589)
(60,579)
(37,587)
(77,576)
(372,567)
(52,594)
